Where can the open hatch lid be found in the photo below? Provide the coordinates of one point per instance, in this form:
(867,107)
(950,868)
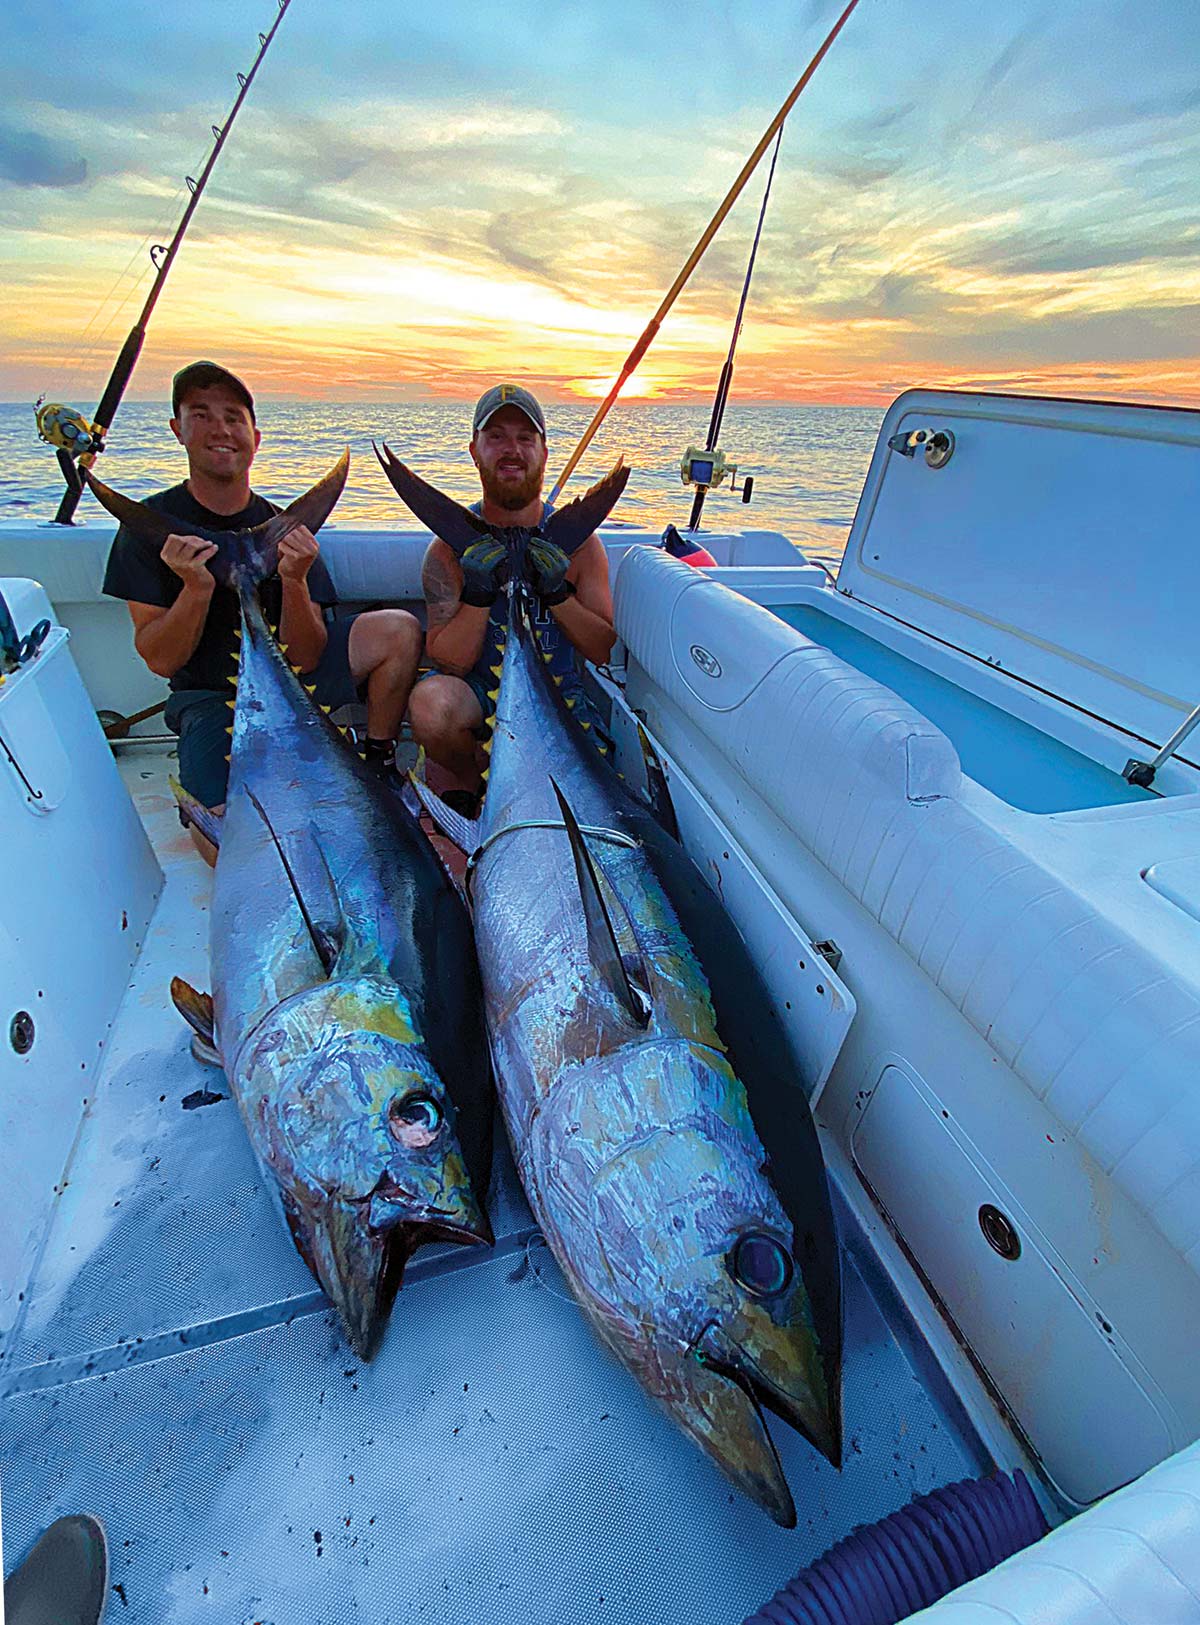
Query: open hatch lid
(1058,542)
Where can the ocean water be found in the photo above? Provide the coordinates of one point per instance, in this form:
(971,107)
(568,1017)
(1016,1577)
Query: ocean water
(808,462)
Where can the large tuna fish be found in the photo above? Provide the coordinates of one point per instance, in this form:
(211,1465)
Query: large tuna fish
(648,1087)
(348,1010)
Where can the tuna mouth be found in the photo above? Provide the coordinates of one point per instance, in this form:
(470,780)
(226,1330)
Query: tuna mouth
(717,1406)
(809,1407)
(390,1209)
(359,1253)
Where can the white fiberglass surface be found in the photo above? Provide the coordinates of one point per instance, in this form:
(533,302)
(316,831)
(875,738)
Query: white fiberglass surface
(178,1373)
(1013,760)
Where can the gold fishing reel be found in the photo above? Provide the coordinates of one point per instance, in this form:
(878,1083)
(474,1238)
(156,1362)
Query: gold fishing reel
(706,469)
(65,429)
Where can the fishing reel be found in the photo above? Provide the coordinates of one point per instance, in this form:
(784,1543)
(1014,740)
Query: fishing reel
(707,469)
(66,429)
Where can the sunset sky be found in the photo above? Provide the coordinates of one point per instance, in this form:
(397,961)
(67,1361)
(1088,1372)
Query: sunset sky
(418,199)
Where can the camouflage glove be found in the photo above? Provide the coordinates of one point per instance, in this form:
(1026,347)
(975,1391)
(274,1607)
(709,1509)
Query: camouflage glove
(546,569)
(485,569)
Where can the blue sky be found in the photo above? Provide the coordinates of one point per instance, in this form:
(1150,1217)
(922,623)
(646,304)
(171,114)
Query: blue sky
(994,196)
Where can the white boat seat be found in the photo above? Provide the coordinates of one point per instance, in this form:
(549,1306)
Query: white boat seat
(1092,1022)
(1132,1559)
(373,566)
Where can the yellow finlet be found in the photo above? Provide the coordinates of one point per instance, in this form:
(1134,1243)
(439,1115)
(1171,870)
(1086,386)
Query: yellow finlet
(232,704)
(493,693)
(327,709)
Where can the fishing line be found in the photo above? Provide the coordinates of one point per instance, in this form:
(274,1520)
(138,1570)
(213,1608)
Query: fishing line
(726,377)
(88,346)
(76,440)
(693,259)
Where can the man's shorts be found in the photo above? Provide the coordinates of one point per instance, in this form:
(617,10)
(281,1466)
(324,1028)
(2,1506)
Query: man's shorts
(201,717)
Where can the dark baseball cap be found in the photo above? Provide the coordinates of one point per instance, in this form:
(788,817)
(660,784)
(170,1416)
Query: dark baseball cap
(490,402)
(206,375)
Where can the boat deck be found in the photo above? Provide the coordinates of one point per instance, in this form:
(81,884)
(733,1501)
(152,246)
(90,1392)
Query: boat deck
(175,1370)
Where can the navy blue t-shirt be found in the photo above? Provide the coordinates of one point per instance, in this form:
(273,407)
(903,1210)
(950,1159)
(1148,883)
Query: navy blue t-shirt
(137,573)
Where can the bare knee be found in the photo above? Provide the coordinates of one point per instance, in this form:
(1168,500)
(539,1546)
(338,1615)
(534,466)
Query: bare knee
(442,709)
(380,636)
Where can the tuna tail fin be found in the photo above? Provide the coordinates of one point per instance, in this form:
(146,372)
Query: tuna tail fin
(457,526)
(570,526)
(623,973)
(313,886)
(249,556)
(144,522)
(244,557)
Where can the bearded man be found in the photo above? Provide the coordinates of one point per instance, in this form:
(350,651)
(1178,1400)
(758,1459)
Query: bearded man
(468,608)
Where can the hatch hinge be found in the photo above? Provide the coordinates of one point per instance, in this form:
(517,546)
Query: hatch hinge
(1142,773)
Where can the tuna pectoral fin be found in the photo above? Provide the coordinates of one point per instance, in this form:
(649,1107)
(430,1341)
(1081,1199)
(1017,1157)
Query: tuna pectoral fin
(464,832)
(313,888)
(457,526)
(195,1008)
(622,972)
(201,817)
(657,789)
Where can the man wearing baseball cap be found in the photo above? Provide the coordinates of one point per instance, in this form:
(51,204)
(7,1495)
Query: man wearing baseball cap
(468,609)
(185,626)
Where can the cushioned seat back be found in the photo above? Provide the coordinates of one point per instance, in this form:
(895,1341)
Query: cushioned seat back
(817,739)
(1098,1027)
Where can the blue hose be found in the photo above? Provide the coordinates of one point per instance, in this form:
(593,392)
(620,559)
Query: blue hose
(885,1571)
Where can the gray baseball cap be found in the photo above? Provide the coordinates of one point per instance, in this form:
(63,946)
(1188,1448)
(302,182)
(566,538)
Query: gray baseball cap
(490,402)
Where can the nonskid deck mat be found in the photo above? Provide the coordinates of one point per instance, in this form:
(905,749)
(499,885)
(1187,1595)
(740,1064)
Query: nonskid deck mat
(492,1463)
(177,1372)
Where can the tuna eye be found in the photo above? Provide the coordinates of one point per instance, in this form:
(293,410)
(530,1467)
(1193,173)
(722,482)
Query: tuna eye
(758,1263)
(414,1120)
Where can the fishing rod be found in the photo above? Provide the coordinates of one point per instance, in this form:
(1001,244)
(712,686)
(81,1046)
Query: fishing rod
(693,259)
(711,463)
(72,436)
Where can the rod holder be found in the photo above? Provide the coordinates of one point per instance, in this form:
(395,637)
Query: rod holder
(937,444)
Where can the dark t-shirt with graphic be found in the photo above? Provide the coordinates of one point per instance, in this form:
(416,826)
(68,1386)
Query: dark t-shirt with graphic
(137,573)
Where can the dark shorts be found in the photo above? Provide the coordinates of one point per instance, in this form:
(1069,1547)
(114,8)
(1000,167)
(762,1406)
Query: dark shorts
(200,717)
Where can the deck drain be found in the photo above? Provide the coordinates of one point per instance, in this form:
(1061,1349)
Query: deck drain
(21,1032)
(999,1232)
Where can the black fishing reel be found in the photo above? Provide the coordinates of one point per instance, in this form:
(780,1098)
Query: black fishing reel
(15,650)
